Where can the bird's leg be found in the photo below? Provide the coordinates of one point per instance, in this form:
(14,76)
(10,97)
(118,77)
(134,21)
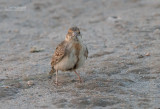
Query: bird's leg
(80,80)
(56,77)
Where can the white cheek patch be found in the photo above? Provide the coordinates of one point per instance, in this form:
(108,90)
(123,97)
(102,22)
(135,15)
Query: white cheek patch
(73,34)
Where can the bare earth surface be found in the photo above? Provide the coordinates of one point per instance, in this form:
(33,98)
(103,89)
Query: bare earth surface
(123,68)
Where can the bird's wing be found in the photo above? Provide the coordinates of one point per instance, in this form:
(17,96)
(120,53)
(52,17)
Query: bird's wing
(59,53)
(86,52)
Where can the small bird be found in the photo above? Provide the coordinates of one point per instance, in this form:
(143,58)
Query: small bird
(70,54)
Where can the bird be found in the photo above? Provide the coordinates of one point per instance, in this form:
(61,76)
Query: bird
(70,54)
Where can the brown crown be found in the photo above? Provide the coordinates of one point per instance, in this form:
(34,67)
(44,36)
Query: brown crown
(73,29)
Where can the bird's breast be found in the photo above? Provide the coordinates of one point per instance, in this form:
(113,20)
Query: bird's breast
(79,53)
(77,47)
(74,58)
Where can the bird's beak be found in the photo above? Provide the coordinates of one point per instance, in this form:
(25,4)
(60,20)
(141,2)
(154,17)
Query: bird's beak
(76,34)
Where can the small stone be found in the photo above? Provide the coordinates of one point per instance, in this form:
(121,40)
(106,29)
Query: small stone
(16,30)
(6,86)
(147,54)
(114,19)
(34,49)
(30,83)
(156,31)
(135,47)
(140,56)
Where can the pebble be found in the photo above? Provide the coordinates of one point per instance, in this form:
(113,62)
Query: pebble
(147,54)
(34,49)
(113,19)
(30,83)
(140,56)
(156,31)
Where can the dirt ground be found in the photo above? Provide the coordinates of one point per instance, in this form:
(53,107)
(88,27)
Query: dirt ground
(121,72)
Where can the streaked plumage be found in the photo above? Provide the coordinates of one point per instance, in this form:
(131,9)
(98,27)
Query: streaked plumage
(69,54)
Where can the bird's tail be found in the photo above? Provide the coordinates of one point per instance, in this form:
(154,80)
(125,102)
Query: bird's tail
(51,73)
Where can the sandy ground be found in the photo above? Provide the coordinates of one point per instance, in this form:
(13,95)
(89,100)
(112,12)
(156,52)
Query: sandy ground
(123,68)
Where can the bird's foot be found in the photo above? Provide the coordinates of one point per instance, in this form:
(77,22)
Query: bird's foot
(57,83)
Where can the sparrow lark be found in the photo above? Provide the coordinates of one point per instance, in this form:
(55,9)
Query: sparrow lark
(70,54)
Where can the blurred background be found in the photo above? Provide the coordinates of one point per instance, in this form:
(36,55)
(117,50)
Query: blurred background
(123,68)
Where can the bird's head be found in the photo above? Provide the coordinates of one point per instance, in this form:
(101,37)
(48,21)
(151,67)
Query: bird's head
(73,34)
